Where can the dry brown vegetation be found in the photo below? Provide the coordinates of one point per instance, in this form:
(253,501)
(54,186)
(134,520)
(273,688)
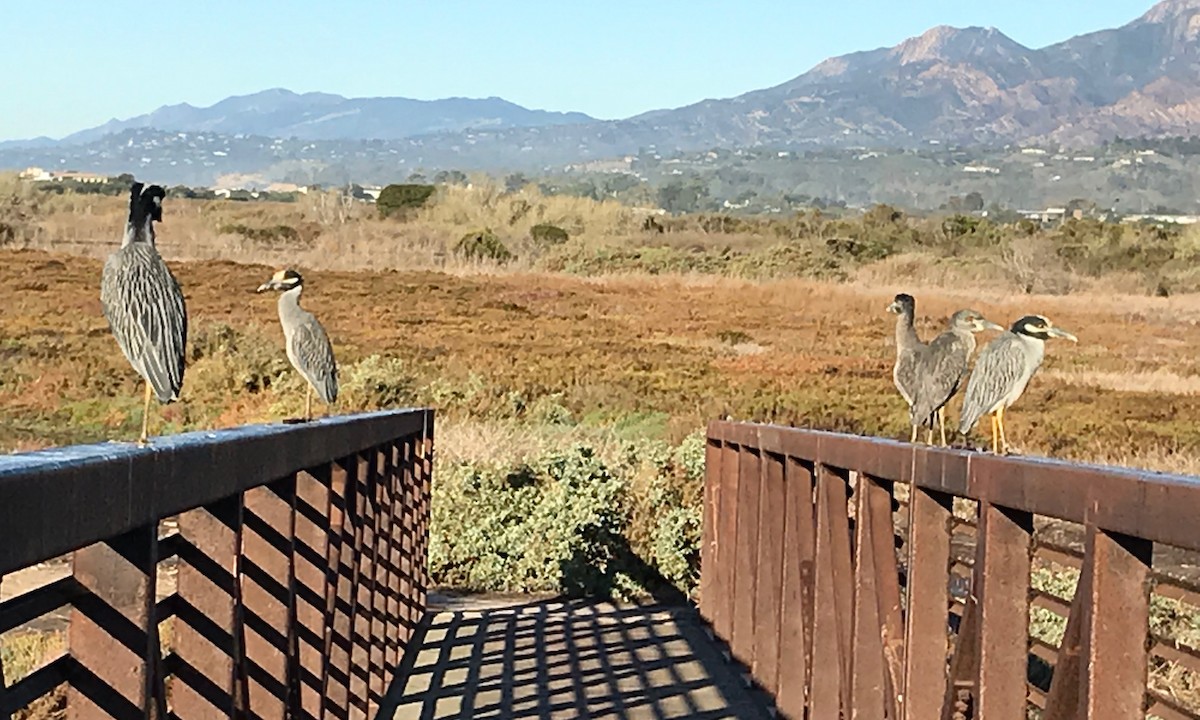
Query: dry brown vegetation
(490,347)
(521,361)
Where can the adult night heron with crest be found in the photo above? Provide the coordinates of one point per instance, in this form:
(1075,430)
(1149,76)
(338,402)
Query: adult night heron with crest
(144,305)
(1002,372)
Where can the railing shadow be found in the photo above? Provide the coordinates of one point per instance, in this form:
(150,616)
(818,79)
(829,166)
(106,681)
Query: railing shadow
(492,657)
(564,657)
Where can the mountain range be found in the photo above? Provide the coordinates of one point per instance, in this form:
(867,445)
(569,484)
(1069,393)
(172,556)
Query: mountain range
(322,116)
(971,86)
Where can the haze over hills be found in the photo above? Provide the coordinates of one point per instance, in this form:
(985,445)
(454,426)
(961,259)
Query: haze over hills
(322,116)
(972,86)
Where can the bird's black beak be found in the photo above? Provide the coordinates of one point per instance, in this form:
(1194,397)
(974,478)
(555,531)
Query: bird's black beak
(1055,332)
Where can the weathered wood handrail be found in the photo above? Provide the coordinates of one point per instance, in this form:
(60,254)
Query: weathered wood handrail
(834,593)
(301,555)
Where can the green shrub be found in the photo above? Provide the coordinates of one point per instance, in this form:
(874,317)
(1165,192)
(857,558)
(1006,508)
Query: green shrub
(733,337)
(546,234)
(556,526)
(270,235)
(571,521)
(399,198)
(376,382)
(482,245)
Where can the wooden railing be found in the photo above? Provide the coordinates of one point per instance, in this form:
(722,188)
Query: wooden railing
(863,578)
(300,562)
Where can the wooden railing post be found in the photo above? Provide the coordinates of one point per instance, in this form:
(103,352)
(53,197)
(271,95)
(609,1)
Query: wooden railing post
(926,629)
(1000,587)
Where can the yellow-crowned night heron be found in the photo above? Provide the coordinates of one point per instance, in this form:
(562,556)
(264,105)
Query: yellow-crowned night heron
(307,343)
(941,366)
(1003,370)
(908,345)
(143,303)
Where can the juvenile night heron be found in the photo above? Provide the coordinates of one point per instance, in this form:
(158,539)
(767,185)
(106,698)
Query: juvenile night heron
(1003,370)
(307,343)
(908,345)
(941,366)
(144,305)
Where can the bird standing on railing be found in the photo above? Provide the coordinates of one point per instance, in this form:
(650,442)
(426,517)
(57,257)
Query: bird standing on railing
(941,366)
(908,345)
(1003,370)
(144,305)
(307,343)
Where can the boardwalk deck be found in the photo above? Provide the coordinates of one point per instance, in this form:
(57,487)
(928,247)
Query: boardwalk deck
(513,658)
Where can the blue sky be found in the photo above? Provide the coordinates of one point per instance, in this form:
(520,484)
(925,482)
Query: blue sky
(69,69)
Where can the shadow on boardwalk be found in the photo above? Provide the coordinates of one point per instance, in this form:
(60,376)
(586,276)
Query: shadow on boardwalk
(559,658)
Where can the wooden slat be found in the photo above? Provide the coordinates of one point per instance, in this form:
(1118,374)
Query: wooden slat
(830,686)
(268,597)
(926,632)
(883,535)
(711,573)
(745,569)
(768,595)
(727,540)
(795,643)
(869,687)
(364,587)
(312,553)
(110,634)
(207,642)
(340,587)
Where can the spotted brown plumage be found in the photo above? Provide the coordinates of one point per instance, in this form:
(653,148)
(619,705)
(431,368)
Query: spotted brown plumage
(908,345)
(942,365)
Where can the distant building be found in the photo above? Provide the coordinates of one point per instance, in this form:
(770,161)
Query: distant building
(77,176)
(34,174)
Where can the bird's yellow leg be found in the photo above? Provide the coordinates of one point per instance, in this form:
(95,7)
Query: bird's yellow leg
(995,435)
(308,402)
(1003,440)
(942,424)
(146,418)
(913,439)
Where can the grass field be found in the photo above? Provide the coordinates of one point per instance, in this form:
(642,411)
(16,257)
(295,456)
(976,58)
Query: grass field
(567,377)
(663,353)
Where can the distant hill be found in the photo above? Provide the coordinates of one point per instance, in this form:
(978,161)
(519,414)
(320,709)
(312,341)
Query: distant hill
(321,116)
(971,87)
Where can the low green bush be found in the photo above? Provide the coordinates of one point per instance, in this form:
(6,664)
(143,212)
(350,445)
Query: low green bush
(482,245)
(572,521)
